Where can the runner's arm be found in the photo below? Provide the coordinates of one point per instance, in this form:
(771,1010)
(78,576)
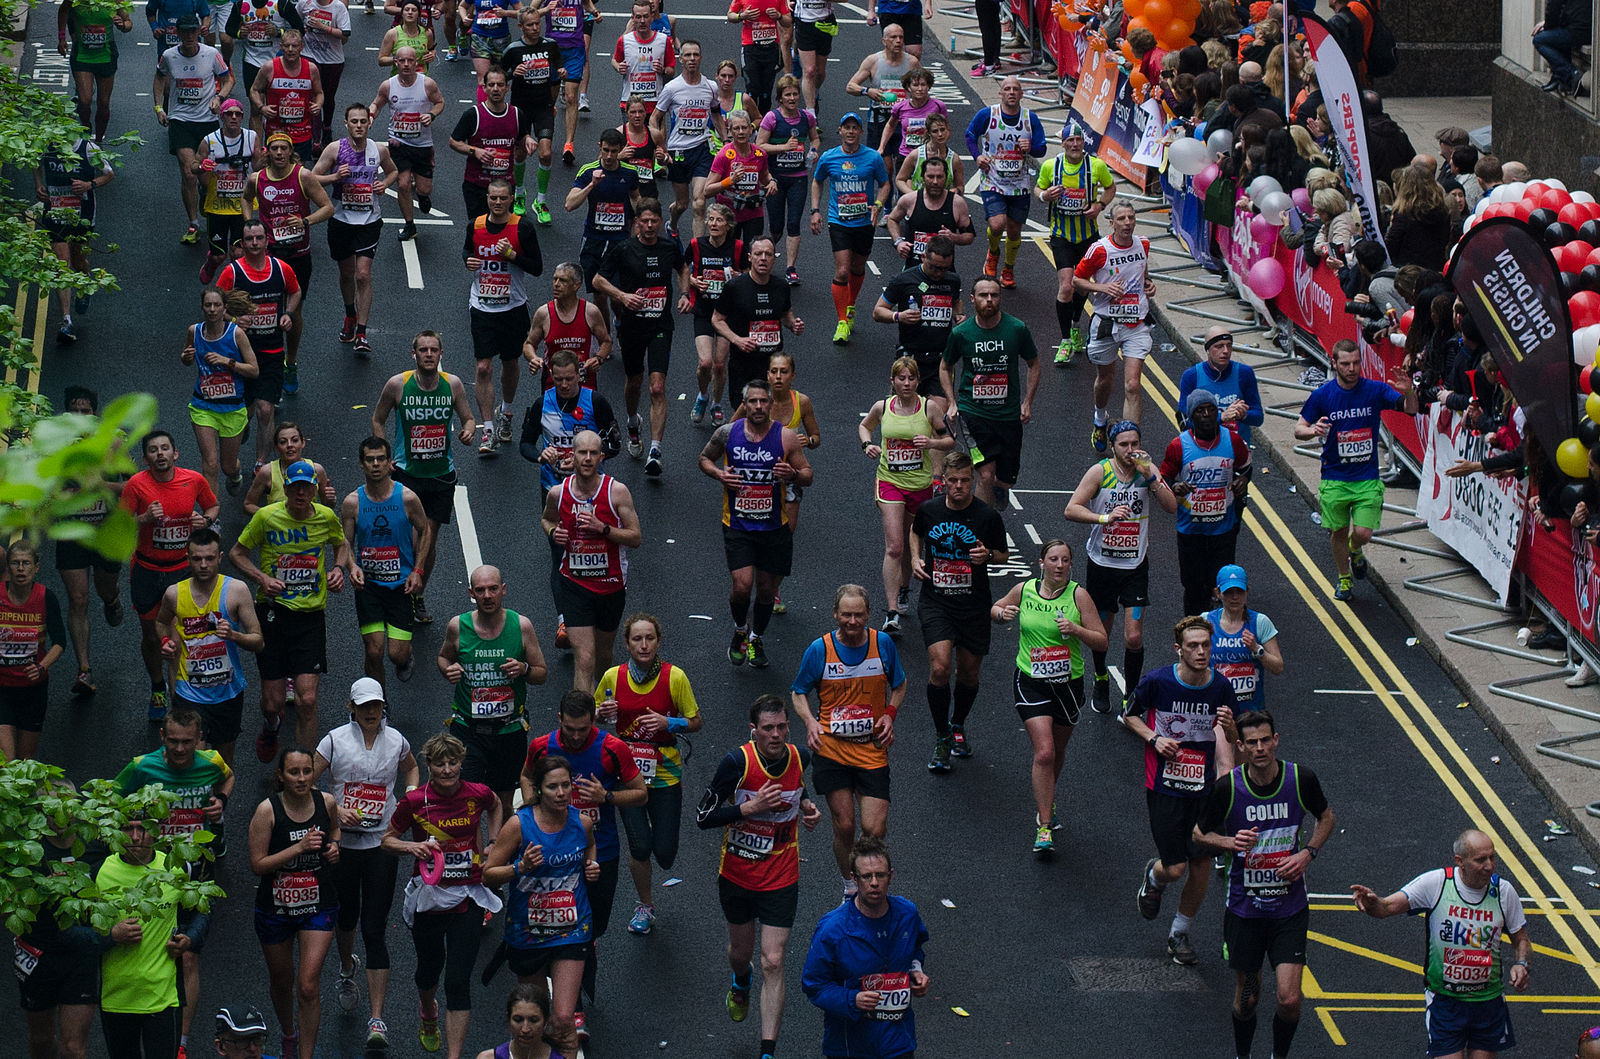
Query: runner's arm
(630,534)
(380,416)
(716,807)
(422,536)
(246,624)
(317,195)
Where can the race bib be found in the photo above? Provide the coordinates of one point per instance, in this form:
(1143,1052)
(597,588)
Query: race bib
(230,182)
(493,703)
(258,32)
(564,20)
(301,571)
(1186,772)
(356,193)
(1074,200)
(938,310)
(93,36)
(554,912)
(853,204)
(1354,446)
(587,558)
(62,198)
(1007,165)
(991,387)
(951,575)
(894,994)
(1467,967)
(1120,538)
(647,756)
(853,723)
(188,89)
(691,121)
(643,83)
(295,889)
(766,333)
(219,386)
(753,501)
(406,124)
(1244,676)
(18,645)
(499,163)
(655,302)
(764,31)
(494,284)
(458,861)
(428,439)
(1261,878)
(291,111)
(1209,502)
(24,959)
(208,664)
(171,534)
(1050,663)
(610,216)
(1126,309)
(182,823)
(535,69)
(901,454)
(381,563)
(368,800)
(752,838)
(715,278)
(284,235)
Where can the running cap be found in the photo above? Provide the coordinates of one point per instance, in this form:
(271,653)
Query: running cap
(240,1022)
(1072,128)
(230,104)
(300,471)
(1230,576)
(1197,399)
(189,22)
(366,690)
(1122,426)
(848,116)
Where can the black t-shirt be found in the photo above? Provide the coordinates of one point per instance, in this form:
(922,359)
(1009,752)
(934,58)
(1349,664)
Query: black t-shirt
(954,581)
(531,260)
(718,264)
(937,299)
(1221,797)
(533,86)
(648,270)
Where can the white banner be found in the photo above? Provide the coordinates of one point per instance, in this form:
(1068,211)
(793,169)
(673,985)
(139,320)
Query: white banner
(1152,149)
(1342,97)
(1478,516)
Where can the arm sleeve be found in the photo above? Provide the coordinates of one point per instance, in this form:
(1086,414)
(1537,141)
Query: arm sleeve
(531,260)
(1218,803)
(1311,795)
(821,977)
(1513,460)
(978,125)
(466,125)
(54,627)
(1186,385)
(291,15)
(1251,392)
(1037,142)
(891,654)
(716,804)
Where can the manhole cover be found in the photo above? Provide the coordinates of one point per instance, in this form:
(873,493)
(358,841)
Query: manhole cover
(1134,974)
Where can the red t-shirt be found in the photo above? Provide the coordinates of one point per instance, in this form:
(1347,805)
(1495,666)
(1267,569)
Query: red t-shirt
(761,29)
(457,817)
(162,543)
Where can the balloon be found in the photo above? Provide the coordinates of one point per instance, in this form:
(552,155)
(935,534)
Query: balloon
(1302,200)
(1262,186)
(1533,189)
(1133,8)
(1555,234)
(1263,231)
(1138,80)
(1541,218)
(1573,458)
(1157,13)
(1514,190)
(1220,142)
(1553,182)
(1585,308)
(1573,213)
(1569,284)
(1273,206)
(1405,321)
(1593,258)
(1591,407)
(1589,278)
(1267,279)
(1554,199)
(1594,379)
(1583,197)
(1179,33)
(1582,248)
(1521,210)
(1188,156)
(1589,231)
(1568,497)
(1127,51)
(1204,178)
(1588,432)
(1585,382)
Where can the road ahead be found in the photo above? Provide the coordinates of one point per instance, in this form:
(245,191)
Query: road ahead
(1043,957)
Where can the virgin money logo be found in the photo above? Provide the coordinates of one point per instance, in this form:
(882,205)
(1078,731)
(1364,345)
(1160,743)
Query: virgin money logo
(1316,304)
(1585,584)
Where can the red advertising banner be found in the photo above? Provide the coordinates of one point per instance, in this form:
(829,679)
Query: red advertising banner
(1112,120)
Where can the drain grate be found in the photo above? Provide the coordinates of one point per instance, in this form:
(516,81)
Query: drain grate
(1134,974)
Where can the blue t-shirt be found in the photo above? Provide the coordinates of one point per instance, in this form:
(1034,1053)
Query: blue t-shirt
(610,217)
(1350,451)
(1238,384)
(810,674)
(854,178)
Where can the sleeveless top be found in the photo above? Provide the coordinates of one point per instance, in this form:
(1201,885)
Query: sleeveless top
(1042,652)
(22,634)
(550,905)
(383,542)
(762,851)
(209,668)
(900,462)
(216,389)
(304,886)
(1120,545)
(278,200)
(356,199)
(485,695)
(753,505)
(596,564)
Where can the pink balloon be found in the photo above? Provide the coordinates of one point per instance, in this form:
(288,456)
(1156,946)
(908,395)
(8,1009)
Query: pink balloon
(1263,231)
(1203,179)
(1266,278)
(1302,200)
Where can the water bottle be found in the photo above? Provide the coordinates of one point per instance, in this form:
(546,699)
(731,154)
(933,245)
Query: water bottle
(952,44)
(915,308)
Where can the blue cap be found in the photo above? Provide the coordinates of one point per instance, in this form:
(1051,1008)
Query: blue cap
(1072,128)
(300,471)
(1230,576)
(848,116)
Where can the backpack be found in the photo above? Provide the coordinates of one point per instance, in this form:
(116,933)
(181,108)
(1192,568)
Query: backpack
(1382,54)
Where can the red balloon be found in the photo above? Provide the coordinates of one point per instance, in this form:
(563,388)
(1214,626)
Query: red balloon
(1573,213)
(1563,259)
(1521,210)
(1585,308)
(1555,199)
(1535,189)
(1593,258)
(1405,321)
(1591,209)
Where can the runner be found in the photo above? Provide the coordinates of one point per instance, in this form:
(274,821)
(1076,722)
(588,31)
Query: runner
(226,158)
(1001,139)
(294,846)
(685,117)
(1268,913)
(423,401)
(288,200)
(878,80)
(261,27)
(491,654)
(815,26)
(636,275)
(445,817)
(490,135)
(1208,467)
(1113,499)
(912,430)
(87,25)
(755,454)
(792,139)
(610,188)
(762,24)
(642,57)
(589,518)
(222,358)
(955,538)
(363,171)
(714,259)
(757,796)
(932,210)
(361,760)
(1244,642)
(241,1032)
(65,182)
(730,99)
(1234,384)
(490,32)
(275,294)
(1056,620)
(32,639)
(1115,274)
(303,556)
(416,103)
(138,991)
(907,125)
(1184,714)
(864,986)
(168,502)
(501,250)
(909,176)
(739,178)
(793,409)
(1075,190)
(750,318)
(566,24)
(924,302)
(287,94)
(639,147)
(1346,412)
(527,1015)
(409,31)
(79,564)
(854,175)
(568,323)
(390,539)
(649,702)
(289,446)
(534,67)
(206,623)
(1469,908)
(202,80)
(327,29)
(547,853)
(855,671)
(991,347)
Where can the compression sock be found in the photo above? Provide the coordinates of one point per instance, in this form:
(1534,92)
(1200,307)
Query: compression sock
(966,697)
(1099,658)
(350,308)
(1244,1034)
(1132,669)
(841,299)
(939,707)
(994,242)
(763,615)
(1065,317)
(1078,302)
(742,982)
(769,1046)
(1013,244)
(1282,1034)
(855,286)
(544,180)
(1180,924)
(519,173)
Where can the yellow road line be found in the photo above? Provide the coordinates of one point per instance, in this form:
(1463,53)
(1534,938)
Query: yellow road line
(41,311)
(1363,951)
(1330,1026)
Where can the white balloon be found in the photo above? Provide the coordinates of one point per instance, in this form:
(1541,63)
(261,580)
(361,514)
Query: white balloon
(1261,187)
(1554,183)
(1220,142)
(1582,196)
(1273,205)
(1188,156)
(1514,191)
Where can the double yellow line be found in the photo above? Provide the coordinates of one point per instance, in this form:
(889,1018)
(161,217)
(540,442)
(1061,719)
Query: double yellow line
(41,312)
(1520,853)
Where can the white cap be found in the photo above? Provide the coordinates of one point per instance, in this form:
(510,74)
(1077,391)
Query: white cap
(366,690)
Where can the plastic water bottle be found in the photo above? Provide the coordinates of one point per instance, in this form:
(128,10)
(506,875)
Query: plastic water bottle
(952,44)
(915,308)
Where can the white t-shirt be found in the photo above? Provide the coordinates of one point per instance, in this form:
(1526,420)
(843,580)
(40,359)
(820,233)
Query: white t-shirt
(194,82)
(363,779)
(1423,893)
(322,49)
(689,109)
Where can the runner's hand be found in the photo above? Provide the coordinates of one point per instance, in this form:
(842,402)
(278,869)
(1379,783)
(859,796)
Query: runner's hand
(1295,867)
(591,871)
(349,817)
(810,815)
(454,672)
(768,799)
(813,735)
(271,586)
(919,569)
(532,857)
(919,984)
(1245,841)
(883,731)
(867,999)
(979,553)
(589,789)
(336,579)
(127,932)
(1167,748)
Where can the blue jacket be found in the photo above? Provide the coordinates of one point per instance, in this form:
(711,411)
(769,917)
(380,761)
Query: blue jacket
(846,946)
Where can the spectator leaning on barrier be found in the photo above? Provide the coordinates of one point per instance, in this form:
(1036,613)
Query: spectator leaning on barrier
(1567,26)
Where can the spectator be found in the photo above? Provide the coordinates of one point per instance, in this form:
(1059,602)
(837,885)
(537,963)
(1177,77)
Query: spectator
(1372,279)
(1514,172)
(1449,138)
(1321,130)
(1455,199)
(1319,178)
(1567,25)
(1307,148)
(1146,56)
(1216,54)
(1224,27)
(1282,162)
(1309,97)
(1419,231)
(1351,27)
(1192,60)
(1181,97)
(1207,95)
(1336,228)
(1274,73)
(1463,164)
(1229,72)
(1251,75)
(1427,163)
(1489,173)
(1256,43)
(1387,143)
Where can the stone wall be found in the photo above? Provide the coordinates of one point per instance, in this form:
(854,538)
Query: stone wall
(1447,47)
(1554,138)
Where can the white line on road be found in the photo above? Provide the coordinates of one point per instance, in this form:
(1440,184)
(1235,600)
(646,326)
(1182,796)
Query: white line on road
(1116,674)
(1011,498)
(469,531)
(874,267)
(1033,534)
(408,250)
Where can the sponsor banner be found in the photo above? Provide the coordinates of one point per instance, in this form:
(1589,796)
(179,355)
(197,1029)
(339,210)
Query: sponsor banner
(1189,223)
(1479,516)
(1113,123)
(1342,96)
(1566,573)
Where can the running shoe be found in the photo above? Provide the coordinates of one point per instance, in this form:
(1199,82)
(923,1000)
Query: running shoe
(208,271)
(427,1034)
(183,1052)
(288,692)
(157,711)
(347,330)
(757,654)
(1344,587)
(959,747)
(644,917)
(991,265)
(1043,841)
(519,205)
(115,612)
(1055,821)
(940,762)
(486,440)
(792,275)
(1098,438)
(80,304)
(1008,278)
(738,647)
(1101,702)
(1149,896)
(349,988)
(1075,341)
(635,442)
(841,333)
(568,155)
(377,1033)
(980,70)
(408,232)
(266,744)
(234,483)
(450,56)
(541,212)
(190,235)
(902,598)
(419,610)
(716,415)
(291,378)
(66,334)
(1358,565)
(1063,353)
(502,425)
(563,641)
(738,1002)
(891,623)
(779,606)
(83,687)
(363,348)
(1180,949)
(697,414)
(652,465)
(583,102)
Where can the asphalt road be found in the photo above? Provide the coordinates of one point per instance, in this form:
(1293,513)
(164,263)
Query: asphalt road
(1043,957)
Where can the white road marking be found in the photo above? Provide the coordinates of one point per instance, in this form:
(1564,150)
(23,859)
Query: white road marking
(1011,499)
(874,267)
(469,531)
(408,250)
(1116,674)
(1033,534)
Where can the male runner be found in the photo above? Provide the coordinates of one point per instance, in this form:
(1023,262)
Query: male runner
(423,400)
(1346,413)
(275,294)
(569,323)
(854,175)
(752,313)
(225,159)
(758,457)
(991,347)
(534,66)
(931,210)
(1234,384)
(1178,711)
(65,182)
(1000,139)
(1256,812)
(200,80)
(262,24)
(877,80)
(1075,189)
(855,671)
(686,115)
(491,655)
(757,796)
(169,502)
(565,26)
(85,39)
(955,538)
(390,538)
(501,250)
(636,275)
(79,565)
(642,57)
(1115,274)
(1113,499)
(287,93)
(610,188)
(924,302)
(589,518)
(206,621)
(416,103)
(1208,468)
(490,134)
(363,170)
(815,26)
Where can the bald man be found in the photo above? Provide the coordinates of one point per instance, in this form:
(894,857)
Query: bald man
(1250,72)
(491,655)
(1468,907)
